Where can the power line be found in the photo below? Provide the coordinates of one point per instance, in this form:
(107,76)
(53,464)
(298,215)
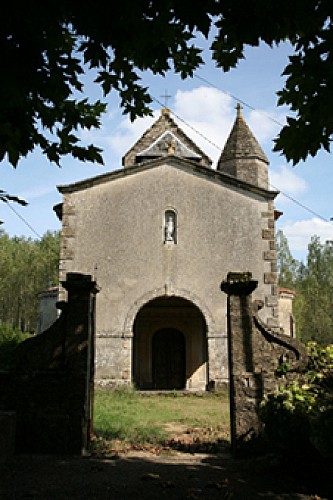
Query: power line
(188,125)
(220,149)
(24,221)
(31,228)
(301,205)
(244,103)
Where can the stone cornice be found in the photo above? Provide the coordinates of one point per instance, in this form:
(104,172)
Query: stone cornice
(175,162)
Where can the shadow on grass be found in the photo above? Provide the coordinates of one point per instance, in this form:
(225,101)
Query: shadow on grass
(105,444)
(198,446)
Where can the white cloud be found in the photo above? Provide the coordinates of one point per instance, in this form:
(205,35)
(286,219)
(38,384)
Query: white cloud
(116,143)
(127,133)
(299,233)
(203,104)
(285,180)
(264,124)
(210,112)
(206,110)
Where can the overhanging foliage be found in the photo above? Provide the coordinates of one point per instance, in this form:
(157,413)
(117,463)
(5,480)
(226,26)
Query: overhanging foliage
(44,50)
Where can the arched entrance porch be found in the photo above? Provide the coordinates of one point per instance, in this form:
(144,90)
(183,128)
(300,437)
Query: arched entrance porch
(170,346)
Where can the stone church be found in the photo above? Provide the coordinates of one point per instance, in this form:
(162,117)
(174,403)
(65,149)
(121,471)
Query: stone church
(159,235)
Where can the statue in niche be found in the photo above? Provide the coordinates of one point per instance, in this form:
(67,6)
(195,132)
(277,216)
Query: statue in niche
(171,147)
(170,228)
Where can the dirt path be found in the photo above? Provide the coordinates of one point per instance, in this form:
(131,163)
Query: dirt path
(143,475)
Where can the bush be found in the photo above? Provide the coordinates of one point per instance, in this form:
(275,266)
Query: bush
(298,417)
(9,339)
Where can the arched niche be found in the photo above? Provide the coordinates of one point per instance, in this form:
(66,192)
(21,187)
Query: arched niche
(170,346)
(170,227)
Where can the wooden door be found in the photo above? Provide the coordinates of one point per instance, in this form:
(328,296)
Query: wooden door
(168,361)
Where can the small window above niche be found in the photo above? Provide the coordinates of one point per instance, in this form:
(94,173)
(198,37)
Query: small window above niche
(170,227)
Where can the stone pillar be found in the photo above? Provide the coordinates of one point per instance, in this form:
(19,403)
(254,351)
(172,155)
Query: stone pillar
(246,386)
(50,388)
(80,350)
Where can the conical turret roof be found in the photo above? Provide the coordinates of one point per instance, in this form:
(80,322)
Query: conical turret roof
(241,143)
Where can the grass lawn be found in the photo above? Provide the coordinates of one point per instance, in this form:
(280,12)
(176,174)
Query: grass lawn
(125,419)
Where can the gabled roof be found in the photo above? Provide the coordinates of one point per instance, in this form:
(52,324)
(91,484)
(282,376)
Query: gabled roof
(166,144)
(155,143)
(241,143)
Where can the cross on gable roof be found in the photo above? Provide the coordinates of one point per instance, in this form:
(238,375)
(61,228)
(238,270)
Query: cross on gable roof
(152,144)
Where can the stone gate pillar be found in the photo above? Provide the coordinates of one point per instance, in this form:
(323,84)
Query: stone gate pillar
(50,385)
(255,353)
(245,382)
(79,353)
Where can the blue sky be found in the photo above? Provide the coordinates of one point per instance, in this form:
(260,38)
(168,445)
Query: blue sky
(208,108)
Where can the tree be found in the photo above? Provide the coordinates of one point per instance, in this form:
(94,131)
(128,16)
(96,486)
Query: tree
(313,284)
(6,198)
(287,265)
(315,308)
(27,267)
(44,51)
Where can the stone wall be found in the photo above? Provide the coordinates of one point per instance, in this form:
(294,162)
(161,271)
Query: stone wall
(49,388)
(255,353)
(113,229)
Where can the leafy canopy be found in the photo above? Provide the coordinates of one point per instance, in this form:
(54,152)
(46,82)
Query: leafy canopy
(45,47)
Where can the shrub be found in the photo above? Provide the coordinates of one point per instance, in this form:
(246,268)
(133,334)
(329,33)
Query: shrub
(298,417)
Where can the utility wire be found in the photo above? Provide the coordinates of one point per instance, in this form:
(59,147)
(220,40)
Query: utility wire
(244,103)
(188,125)
(301,205)
(238,99)
(30,227)
(24,221)
(220,149)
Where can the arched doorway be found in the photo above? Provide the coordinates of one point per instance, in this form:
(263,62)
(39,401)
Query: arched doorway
(170,346)
(168,359)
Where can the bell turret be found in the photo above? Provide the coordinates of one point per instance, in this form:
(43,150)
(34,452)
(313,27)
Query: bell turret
(242,156)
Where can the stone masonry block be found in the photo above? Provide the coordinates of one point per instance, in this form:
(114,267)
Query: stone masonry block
(69,210)
(272,322)
(65,220)
(270,255)
(68,232)
(271,301)
(274,267)
(268,234)
(270,278)
(67,254)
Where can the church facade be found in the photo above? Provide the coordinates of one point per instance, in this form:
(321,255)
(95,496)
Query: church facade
(159,235)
